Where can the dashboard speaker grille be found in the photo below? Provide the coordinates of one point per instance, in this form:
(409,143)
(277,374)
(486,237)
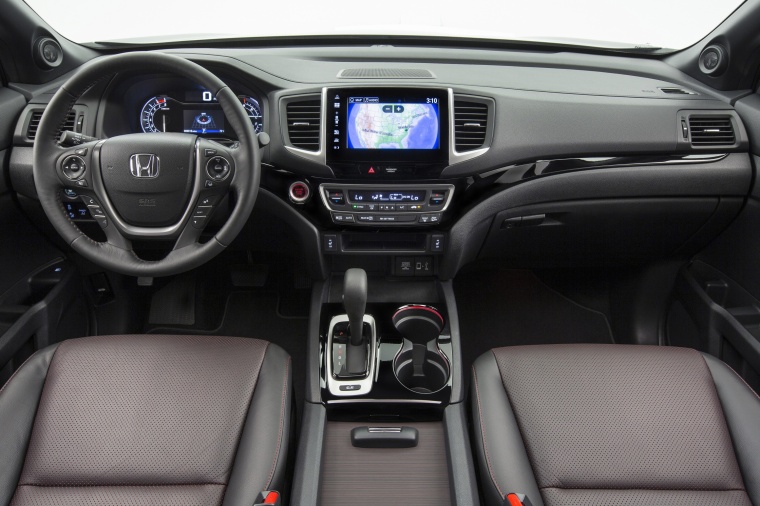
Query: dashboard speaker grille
(711,131)
(34,123)
(304,124)
(378,73)
(470,125)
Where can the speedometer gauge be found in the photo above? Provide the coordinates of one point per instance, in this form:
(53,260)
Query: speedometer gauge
(154,116)
(252,107)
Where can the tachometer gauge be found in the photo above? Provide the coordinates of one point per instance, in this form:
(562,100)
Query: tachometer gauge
(252,107)
(154,116)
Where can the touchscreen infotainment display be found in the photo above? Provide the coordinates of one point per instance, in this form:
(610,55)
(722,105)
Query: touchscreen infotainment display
(373,124)
(385,125)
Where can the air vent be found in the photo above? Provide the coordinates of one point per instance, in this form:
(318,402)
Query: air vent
(677,91)
(304,124)
(470,125)
(34,123)
(377,73)
(711,131)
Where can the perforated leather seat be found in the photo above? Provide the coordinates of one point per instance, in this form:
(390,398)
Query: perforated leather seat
(614,425)
(146,420)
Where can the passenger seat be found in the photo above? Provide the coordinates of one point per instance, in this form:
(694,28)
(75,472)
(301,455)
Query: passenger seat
(616,425)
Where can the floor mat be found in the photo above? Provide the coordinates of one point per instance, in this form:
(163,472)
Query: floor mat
(513,307)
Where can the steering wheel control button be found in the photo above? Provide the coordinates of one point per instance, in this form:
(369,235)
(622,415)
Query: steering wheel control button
(73,167)
(103,222)
(208,200)
(81,183)
(70,193)
(198,221)
(299,192)
(202,211)
(89,201)
(209,152)
(81,152)
(96,212)
(218,168)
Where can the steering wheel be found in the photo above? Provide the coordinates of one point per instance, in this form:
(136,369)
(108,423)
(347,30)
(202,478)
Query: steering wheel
(160,186)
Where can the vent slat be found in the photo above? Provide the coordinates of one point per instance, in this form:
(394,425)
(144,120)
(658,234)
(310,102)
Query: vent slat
(34,123)
(711,131)
(470,125)
(304,121)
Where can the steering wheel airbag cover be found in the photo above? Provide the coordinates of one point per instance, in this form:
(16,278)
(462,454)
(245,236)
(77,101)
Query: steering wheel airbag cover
(148,177)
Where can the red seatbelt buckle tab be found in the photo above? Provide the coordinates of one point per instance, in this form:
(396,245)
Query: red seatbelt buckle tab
(517,500)
(268,498)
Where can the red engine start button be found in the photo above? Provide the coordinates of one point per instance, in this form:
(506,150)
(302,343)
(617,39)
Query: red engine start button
(299,192)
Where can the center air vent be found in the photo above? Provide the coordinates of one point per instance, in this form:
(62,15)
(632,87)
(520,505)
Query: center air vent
(34,123)
(377,73)
(303,119)
(470,125)
(711,131)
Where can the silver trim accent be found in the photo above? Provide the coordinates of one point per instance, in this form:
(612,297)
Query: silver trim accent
(365,384)
(680,160)
(321,155)
(454,155)
(383,429)
(383,401)
(316,156)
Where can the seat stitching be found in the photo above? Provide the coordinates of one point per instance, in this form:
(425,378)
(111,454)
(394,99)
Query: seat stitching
(483,432)
(282,423)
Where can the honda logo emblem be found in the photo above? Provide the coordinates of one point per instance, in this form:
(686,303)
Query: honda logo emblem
(144,165)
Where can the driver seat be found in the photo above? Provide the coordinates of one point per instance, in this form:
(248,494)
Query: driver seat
(146,420)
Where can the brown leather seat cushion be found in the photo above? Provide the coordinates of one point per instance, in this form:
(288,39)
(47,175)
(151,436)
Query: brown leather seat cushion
(611,424)
(145,420)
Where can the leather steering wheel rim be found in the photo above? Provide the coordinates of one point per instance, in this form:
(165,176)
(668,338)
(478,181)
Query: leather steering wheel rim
(116,254)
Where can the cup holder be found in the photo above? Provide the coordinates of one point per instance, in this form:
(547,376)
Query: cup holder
(435,370)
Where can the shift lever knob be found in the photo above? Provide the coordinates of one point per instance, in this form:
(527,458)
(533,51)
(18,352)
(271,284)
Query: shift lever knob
(355,302)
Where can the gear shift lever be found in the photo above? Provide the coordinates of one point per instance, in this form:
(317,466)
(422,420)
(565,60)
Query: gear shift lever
(355,302)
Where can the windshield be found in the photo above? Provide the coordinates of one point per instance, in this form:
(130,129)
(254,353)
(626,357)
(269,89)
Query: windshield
(671,24)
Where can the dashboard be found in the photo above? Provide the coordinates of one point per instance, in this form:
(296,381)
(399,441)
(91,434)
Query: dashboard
(455,154)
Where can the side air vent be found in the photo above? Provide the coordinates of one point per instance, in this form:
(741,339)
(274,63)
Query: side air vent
(34,123)
(303,119)
(711,131)
(377,73)
(677,91)
(470,125)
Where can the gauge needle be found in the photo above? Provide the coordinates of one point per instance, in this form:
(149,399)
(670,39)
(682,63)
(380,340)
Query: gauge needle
(163,120)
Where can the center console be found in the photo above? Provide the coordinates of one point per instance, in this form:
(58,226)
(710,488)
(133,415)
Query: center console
(385,385)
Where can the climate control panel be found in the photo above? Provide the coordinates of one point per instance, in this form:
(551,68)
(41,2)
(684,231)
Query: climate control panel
(400,205)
